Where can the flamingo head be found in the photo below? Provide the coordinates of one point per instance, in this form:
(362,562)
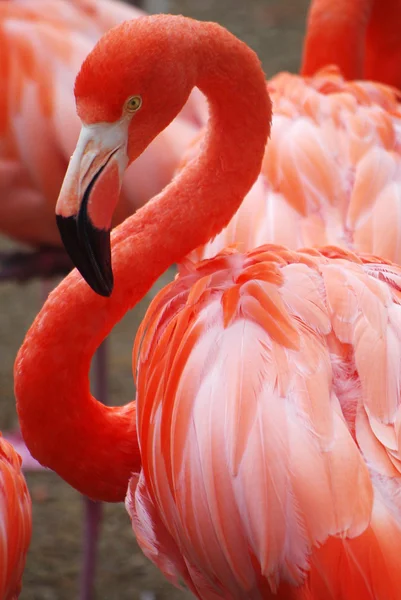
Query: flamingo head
(129,88)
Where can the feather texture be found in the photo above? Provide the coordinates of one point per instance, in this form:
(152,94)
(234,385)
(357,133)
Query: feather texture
(269,435)
(331,173)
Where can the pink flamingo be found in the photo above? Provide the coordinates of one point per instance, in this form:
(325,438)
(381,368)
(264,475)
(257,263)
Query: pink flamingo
(269,460)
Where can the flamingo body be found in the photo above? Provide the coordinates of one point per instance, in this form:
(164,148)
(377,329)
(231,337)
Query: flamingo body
(331,172)
(270,460)
(15,522)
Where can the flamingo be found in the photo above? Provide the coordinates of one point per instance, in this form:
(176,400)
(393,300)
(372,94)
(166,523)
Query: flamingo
(268,462)
(43,45)
(15,521)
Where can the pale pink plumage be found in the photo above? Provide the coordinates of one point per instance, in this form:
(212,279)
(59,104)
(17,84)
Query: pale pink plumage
(332,170)
(43,43)
(269,419)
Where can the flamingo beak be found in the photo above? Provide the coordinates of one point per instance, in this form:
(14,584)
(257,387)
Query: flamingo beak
(87,200)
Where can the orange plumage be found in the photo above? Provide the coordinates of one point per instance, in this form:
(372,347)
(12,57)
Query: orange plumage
(15,521)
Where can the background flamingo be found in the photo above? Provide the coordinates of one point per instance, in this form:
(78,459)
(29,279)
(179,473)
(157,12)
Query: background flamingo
(15,520)
(360,37)
(188,409)
(44,43)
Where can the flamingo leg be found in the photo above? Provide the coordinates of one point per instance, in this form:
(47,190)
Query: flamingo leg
(93,510)
(92,519)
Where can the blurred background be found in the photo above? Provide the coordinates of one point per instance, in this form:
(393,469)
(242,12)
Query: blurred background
(274,29)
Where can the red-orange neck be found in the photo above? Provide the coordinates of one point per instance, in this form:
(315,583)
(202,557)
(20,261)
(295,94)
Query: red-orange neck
(336,32)
(94,447)
(383,43)
(361,37)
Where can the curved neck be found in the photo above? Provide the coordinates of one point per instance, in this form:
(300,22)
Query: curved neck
(91,446)
(336,32)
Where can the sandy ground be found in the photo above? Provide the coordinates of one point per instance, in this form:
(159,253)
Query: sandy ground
(274,28)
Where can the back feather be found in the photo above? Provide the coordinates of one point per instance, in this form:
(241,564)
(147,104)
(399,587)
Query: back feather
(268,415)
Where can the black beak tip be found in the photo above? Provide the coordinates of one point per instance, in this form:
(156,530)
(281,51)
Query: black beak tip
(103,286)
(89,249)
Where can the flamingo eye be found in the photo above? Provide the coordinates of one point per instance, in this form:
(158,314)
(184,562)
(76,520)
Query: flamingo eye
(133,104)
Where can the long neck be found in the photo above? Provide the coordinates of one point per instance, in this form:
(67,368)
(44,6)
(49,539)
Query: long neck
(336,34)
(383,43)
(361,37)
(91,446)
